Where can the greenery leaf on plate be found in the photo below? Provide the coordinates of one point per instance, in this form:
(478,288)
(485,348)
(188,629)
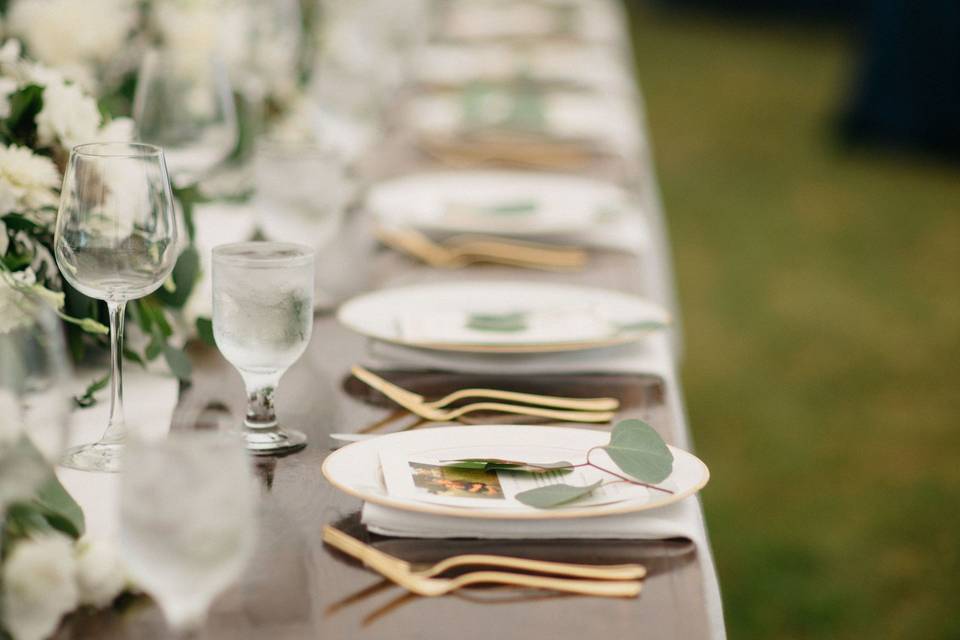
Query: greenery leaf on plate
(643,325)
(555,495)
(205,331)
(639,451)
(497,464)
(503,322)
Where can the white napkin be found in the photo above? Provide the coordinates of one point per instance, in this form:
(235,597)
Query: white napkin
(149,400)
(651,355)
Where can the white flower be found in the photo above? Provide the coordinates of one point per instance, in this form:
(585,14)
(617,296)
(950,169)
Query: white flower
(4,238)
(19,293)
(117,130)
(39,586)
(73,34)
(69,116)
(7,86)
(100,573)
(27,181)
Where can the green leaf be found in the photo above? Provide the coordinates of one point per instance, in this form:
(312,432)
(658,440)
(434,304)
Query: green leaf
(178,362)
(639,451)
(185,275)
(643,325)
(555,495)
(59,508)
(503,322)
(205,331)
(497,464)
(87,399)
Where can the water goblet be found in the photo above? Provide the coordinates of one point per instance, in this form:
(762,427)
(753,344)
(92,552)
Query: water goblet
(262,321)
(184,103)
(115,241)
(34,392)
(187,519)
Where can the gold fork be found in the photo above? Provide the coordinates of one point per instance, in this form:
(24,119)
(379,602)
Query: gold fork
(559,402)
(423,584)
(416,404)
(461,251)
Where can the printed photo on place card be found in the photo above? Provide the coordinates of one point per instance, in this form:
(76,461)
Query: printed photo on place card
(458,477)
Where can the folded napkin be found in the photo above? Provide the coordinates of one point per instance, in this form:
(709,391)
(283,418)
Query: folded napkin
(680,520)
(149,400)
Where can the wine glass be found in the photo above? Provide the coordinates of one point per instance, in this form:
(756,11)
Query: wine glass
(262,321)
(115,240)
(184,103)
(34,393)
(187,519)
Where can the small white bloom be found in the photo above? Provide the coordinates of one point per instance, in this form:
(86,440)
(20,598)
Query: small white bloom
(73,34)
(27,181)
(4,238)
(69,116)
(7,86)
(39,586)
(117,130)
(100,573)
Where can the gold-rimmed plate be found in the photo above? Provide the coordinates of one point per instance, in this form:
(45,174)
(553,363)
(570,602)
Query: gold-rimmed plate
(503,317)
(356,469)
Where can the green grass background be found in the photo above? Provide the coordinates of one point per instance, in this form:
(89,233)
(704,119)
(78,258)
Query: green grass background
(821,297)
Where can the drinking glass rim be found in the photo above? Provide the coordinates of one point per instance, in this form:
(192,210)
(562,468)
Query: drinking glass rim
(221,253)
(134,150)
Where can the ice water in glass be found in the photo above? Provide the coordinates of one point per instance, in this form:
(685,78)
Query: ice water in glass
(262,321)
(187,519)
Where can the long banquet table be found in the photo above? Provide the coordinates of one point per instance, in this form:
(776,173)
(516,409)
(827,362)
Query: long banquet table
(298,588)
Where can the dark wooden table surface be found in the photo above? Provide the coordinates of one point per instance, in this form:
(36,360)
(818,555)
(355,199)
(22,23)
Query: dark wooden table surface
(296,587)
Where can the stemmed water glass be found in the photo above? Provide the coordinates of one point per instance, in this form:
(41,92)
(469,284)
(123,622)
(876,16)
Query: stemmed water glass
(185,104)
(262,321)
(115,240)
(34,393)
(187,519)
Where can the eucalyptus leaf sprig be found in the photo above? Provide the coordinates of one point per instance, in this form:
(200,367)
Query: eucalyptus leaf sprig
(635,447)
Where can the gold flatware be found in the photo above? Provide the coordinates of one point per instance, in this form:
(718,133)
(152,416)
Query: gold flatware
(509,150)
(400,572)
(464,250)
(560,402)
(415,403)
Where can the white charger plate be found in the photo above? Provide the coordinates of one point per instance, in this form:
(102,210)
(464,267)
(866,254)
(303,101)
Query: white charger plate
(381,315)
(564,204)
(355,469)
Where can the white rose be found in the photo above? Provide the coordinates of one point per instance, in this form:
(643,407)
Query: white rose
(73,33)
(39,586)
(27,180)
(68,116)
(100,573)
(117,130)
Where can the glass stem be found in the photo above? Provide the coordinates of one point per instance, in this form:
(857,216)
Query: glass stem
(115,430)
(261,412)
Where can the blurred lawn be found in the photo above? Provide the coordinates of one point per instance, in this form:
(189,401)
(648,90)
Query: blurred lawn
(821,299)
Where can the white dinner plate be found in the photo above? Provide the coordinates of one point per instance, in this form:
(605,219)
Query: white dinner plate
(355,469)
(502,317)
(510,203)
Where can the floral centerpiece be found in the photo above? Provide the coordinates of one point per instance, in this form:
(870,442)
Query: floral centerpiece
(42,115)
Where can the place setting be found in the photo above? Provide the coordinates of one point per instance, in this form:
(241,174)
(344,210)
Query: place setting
(537,220)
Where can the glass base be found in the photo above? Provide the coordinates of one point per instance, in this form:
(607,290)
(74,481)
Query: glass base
(276,441)
(98,456)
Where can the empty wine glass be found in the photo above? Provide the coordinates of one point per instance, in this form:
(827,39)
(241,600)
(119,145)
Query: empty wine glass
(34,392)
(187,519)
(115,240)
(262,321)
(184,103)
